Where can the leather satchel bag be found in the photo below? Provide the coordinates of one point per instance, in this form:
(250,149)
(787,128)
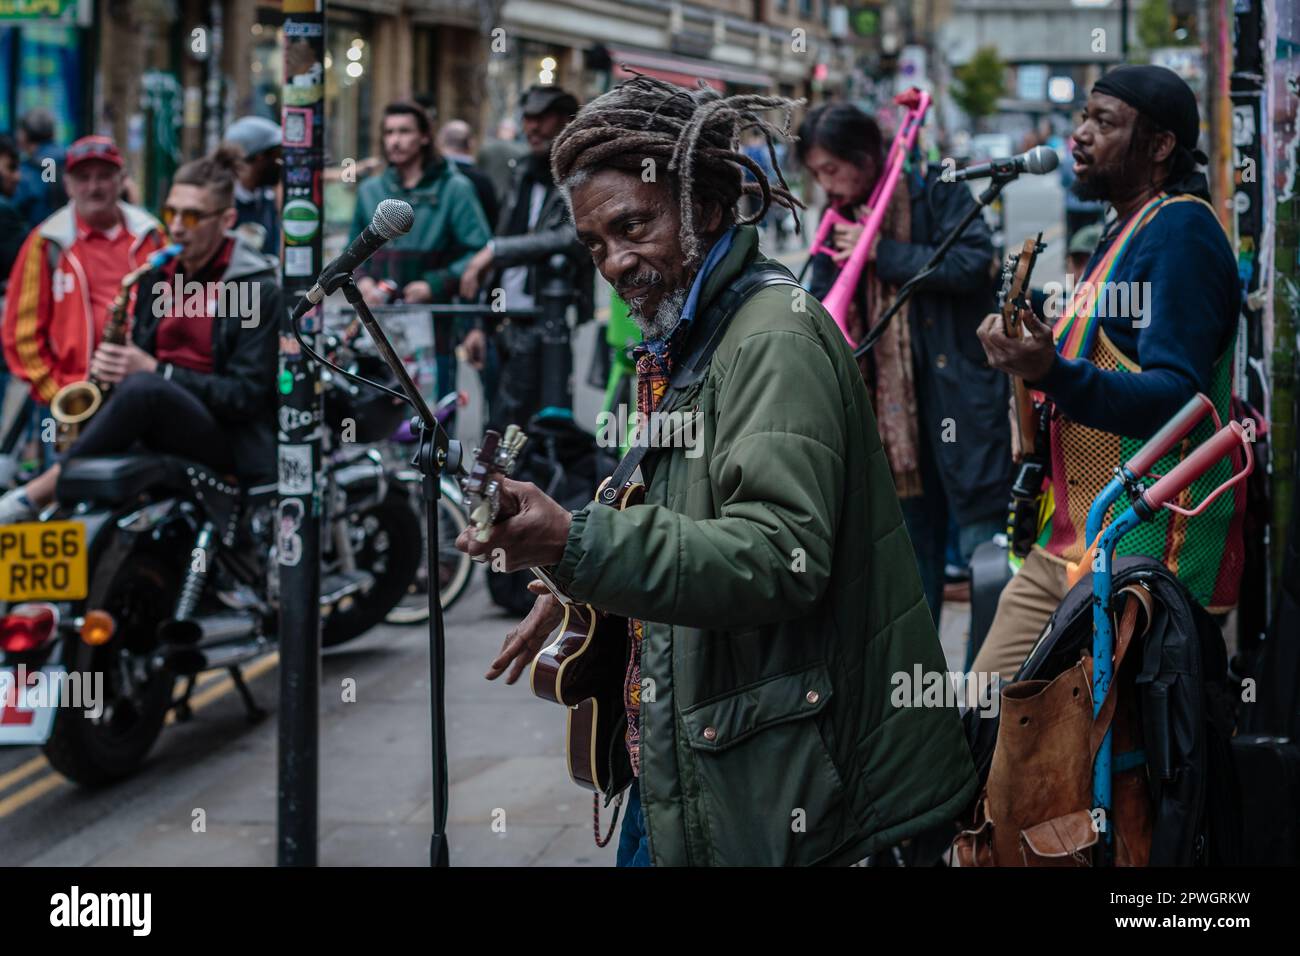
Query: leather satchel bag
(1036,806)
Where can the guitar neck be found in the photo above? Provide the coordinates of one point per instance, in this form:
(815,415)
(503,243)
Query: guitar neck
(1026,419)
(544,575)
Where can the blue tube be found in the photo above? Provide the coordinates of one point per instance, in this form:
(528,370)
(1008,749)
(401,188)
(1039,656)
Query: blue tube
(1103,648)
(1101,504)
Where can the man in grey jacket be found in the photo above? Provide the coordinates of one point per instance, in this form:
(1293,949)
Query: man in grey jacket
(534,226)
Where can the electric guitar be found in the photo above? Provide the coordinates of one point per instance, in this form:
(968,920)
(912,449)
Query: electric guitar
(584,666)
(1028,443)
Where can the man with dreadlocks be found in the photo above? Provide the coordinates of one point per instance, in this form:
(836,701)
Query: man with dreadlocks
(772,593)
(1117,367)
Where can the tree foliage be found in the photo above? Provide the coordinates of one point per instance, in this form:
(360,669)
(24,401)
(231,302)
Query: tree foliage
(979,83)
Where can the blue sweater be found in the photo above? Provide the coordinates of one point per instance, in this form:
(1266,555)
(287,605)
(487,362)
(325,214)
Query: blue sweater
(1189,312)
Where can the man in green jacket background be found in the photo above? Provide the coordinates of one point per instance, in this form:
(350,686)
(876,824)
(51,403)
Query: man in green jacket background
(772,590)
(425,264)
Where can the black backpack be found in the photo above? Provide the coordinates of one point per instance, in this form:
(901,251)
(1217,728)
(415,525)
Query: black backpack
(1186,712)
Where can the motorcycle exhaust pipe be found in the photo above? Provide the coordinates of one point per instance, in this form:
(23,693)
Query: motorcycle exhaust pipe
(208,642)
(202,632)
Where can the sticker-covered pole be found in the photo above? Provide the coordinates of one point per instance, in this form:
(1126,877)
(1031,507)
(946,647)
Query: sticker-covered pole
(298,520)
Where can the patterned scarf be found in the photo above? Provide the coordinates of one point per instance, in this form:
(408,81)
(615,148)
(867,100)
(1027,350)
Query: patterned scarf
(887,369)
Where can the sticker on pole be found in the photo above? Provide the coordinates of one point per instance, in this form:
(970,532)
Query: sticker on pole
(295,470)
(301,221)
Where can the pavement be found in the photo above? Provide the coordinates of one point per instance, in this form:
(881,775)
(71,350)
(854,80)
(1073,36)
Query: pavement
(207,796)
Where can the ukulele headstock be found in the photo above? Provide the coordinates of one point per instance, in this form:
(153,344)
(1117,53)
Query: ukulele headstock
(1014,292)
(494,459)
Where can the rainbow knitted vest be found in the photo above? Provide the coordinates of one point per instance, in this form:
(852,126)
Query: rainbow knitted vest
(1206,551)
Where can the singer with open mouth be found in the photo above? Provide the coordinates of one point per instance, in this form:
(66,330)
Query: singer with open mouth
(942,411)
(1153,322)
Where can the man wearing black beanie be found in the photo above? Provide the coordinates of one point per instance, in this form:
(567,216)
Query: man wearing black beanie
(1153,322)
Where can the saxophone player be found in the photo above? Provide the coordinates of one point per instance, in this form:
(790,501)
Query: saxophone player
(196,376)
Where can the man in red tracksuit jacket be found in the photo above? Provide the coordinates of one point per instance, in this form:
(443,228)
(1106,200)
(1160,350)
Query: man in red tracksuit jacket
(70,268)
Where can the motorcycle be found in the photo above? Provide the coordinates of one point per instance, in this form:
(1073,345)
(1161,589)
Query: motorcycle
(179,569)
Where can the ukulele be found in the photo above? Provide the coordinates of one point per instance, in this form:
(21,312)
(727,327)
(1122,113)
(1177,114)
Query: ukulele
(584,666)
(1028,443)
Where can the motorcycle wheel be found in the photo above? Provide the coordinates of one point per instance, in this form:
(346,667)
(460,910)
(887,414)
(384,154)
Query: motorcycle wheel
(93,752)
(454,570)
(391,552)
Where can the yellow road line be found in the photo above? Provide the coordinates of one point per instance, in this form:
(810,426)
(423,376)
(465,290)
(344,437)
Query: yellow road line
(38,788)
(23,771)
(226,685)
(31,792)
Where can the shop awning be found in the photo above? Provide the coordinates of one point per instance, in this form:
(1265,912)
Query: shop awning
(683,70)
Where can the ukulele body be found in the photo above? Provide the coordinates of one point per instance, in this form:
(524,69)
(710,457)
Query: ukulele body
(584,669)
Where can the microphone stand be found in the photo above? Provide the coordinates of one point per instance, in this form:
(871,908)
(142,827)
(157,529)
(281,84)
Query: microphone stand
(435,453)
(999,180)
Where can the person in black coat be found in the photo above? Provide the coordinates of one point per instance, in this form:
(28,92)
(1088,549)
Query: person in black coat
(963,438)
(455,142)
(533,227)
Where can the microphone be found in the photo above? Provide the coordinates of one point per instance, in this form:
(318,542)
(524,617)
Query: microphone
(1039,160)
(393,217)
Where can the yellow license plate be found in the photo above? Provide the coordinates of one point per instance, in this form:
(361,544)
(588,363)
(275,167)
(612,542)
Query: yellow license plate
(43,561)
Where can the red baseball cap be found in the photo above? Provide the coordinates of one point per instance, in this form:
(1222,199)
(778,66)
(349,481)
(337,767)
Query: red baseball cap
(90,148)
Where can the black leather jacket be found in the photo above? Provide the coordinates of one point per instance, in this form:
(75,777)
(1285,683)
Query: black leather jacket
(553,233)
(240,389)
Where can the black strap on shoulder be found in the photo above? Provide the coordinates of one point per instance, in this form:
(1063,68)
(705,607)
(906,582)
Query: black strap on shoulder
(704,339)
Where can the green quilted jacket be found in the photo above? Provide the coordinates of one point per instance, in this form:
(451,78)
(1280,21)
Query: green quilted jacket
(781,595)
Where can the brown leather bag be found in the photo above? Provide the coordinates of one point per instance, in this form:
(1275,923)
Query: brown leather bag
(1036,806)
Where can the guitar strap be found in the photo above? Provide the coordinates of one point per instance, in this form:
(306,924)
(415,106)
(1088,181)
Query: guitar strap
(702,342)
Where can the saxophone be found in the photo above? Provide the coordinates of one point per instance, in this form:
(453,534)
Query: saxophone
(76,402)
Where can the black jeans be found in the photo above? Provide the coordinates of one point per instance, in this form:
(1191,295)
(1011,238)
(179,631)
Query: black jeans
(145,407)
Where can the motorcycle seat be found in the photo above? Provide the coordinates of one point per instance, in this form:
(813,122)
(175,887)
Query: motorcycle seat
(113,479)
(109,478)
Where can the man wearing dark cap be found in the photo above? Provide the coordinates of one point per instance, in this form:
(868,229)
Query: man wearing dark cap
(534,226)
(1153,322)
(256,202)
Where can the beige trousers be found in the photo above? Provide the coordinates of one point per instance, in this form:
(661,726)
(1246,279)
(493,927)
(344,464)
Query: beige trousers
(1024,608)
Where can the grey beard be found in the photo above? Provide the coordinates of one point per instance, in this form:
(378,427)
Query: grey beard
(665,318)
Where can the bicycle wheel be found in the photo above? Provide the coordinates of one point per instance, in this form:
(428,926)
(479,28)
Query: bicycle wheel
(454,570)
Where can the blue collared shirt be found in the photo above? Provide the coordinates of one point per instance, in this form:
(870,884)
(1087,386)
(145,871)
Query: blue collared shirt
(661,347)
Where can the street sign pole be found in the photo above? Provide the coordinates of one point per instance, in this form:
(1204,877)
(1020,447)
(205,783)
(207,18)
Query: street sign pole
(298,523)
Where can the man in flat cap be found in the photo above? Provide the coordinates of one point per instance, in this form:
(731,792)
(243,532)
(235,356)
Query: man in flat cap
(256,202)
(1153,322)
(534,226)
